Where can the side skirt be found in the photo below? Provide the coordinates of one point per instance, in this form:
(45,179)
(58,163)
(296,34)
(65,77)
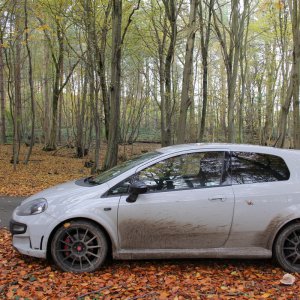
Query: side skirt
(251,252)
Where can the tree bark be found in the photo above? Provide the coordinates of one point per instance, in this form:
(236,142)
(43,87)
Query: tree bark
(113,137)
(58,64)
(171,14)
(284,114)
(47,104)
(270,68)
(187,72)
(204,41)
(2,99)
(30,80)
(231,54)
(80,119)
(101,66)
(295,16)
(17,88)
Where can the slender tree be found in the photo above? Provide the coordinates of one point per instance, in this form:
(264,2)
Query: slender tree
(111,157)
(2,96)
(17,115)
(113,136)
(231,53)
(295,17)
(187,74)
(30,80)
(205,31)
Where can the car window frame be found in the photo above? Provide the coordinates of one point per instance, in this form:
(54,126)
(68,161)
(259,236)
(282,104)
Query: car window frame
(259,153)
(227,156)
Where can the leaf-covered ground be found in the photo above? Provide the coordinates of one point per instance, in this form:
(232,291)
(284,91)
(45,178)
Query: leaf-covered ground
(22,277)
(46,169)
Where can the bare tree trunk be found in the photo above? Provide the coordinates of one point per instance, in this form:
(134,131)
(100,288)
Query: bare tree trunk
(270,68)
(47,107)
(61,101)
(17,88)
(187,72)
(80,119)
(171,14)
(56,88)
(284,114)
(204,40)
(111,157)
(162,96)
(94,100)
(285,89)
(231,54)
(113,137)
(58,83)
(243,77)
(101,54)
(2,99)
(30,80)
(295,16)
(193,126)
(223,103)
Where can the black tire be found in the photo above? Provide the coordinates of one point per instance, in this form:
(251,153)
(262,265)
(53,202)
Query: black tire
(79,246)
(287,248)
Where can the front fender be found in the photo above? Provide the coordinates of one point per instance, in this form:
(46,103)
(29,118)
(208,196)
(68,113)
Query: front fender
(106,219)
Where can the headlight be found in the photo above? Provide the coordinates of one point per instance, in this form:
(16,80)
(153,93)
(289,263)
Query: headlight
(33,207)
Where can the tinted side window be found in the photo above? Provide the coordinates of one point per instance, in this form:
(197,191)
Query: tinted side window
(184,172)
(250,167)
(181,172)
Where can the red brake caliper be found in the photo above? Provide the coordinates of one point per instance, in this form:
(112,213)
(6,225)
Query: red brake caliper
(66,247)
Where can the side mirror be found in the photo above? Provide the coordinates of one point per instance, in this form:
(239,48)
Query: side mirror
(136,188)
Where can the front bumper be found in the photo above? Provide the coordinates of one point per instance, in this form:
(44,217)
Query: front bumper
(24,246)
(22,242)
(31,233)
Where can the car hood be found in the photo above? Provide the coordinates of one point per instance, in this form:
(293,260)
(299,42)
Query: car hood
(70,192)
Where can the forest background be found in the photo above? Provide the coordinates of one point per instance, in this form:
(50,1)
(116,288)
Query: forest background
(87,73)
(85,80)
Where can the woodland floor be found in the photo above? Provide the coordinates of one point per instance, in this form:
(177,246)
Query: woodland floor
(46,169)
(23,277)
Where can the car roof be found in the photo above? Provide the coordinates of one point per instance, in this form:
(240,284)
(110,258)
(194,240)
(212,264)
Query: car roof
(222,146)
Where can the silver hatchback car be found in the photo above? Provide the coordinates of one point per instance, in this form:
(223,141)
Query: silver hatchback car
(184,201)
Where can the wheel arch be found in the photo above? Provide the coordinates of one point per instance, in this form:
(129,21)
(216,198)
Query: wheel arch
(110,243)
(285,225)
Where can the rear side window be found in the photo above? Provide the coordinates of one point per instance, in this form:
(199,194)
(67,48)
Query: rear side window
(250,167)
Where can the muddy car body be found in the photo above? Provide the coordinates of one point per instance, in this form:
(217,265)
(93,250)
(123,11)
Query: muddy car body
(193,200)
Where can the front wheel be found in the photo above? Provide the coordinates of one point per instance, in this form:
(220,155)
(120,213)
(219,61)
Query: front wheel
(79,246)
(287,248)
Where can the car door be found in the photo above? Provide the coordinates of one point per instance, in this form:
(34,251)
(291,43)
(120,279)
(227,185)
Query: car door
(189,204)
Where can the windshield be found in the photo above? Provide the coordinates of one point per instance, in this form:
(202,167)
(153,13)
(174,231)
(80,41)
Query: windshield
(121,168)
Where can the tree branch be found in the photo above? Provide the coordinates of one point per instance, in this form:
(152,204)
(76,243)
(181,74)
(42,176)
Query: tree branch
(129,21)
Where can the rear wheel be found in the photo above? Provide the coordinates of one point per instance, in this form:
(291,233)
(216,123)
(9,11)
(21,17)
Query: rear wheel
(287,248)
(79,246)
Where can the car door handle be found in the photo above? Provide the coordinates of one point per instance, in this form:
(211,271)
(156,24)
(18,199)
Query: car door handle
(222,199)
